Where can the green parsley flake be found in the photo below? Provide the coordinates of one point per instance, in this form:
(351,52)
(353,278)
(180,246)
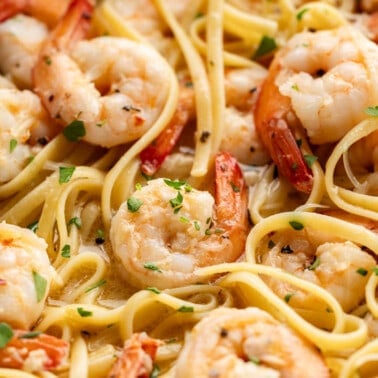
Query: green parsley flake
(84,313)
(184,220)
(295,87)
(375,270)
(152,266)
(47,60)
(30,335)
(185,309)
(176,184)
(254,359)
(301,13)
(33,226)
(196,225)
(153,289)
(267,45)
(234,187)
(315,264)
(40,284)
(372,111)
(310,160)
(288,297)
(12,145)
(134,204)
(296,225)
(177,201)
(6,334)
(95,285)
(65,174)
(74,131)
(138,186)
(362,271)
(66,251)
(155,371)
(76,221)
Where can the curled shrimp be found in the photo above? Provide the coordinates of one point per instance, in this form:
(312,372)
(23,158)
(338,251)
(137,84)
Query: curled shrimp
(247,343)
(137,358)
(322,82)
(33,351)
(25,275)
(167,229)
(24,127)
(115,87)
(341,267)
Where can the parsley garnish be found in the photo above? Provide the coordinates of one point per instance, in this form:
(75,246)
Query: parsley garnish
(133,204)
(254,359)
(65,174)
(267,45)
(176,184)
(375,270)
(75,221)
(33,226)
(296,225)
(152,266)
(362,271)
(196,225)
(301,13)
(30,335)
(310,160)
(100,236)
(138,186)
(47,60)
(40,285)
(153,289)
(155,371)
(295,87)
(315,264)
(288,297)
(372,111)
(234,187)
(6,334)
(83,313)
(66,251)
(185,309)
(177,201)
(184,220)
(74,131)
(12,145)
(95,285)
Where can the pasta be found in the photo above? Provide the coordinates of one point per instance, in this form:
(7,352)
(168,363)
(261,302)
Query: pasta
(188,188)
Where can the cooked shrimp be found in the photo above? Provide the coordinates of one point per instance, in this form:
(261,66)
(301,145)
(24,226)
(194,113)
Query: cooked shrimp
(136,360)
(21,39)
(116,87)
(48,12)
(167,229)
(342,268)
(322,81)
(247,343)
(26,274)
(33,351)
(23,122)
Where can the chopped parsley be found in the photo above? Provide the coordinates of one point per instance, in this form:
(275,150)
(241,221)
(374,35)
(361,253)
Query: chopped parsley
(153,289)
(6,334)
(40,284)
(295,87)
(47,60)
(362,271)
(146,177)
(177,201)
(375,270)
(100,236)
(196,225)
(176,184)
(184,220)
(185,309)
(315,264)
(30,335)
(74,131)
(301,13)
(66,251)
(155,371)
(84,313)
(12,145)
(152,266)
(288,297)
(134,204)
(76,221)
(254,359)
(95,285)
(138,186)
(65,174)
(267,45)
(234,187)
(33,226)
(296,225)
(372,111)
(310,160)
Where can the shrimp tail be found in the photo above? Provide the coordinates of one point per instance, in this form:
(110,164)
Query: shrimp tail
(230,192)
(153,156)
(9,8)
(136,360)
(25,344)
(73,26)
(270,114)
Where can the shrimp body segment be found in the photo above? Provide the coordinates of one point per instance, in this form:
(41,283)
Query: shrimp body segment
(177,229)
(33,352)
(137,357)
(116,87)
(247,343)
(320,81)
(25,275)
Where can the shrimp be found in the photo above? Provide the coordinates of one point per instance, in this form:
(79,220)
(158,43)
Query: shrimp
(33,351)
(48,12)
(136,360)
(113,87)
(321,81)
(167,229)
(21,39)
(247,343)
(26,275)
(25,126)
(341,267)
